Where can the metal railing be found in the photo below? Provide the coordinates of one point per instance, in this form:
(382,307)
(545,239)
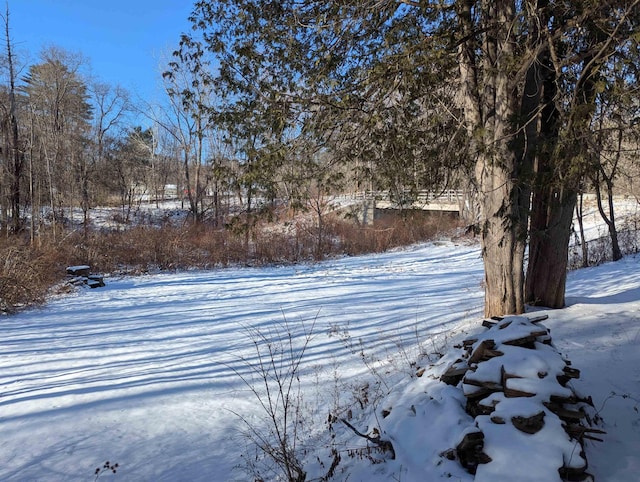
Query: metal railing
(421,200)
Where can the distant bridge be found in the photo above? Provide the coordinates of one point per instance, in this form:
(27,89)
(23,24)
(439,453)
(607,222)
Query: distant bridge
(449,200)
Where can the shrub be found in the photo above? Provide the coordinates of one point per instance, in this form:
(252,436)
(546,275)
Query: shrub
(29,271)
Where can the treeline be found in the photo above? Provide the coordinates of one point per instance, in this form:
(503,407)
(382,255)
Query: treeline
(66,144)
(70,143)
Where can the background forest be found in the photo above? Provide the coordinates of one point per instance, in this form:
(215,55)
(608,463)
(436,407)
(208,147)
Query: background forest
(273,109)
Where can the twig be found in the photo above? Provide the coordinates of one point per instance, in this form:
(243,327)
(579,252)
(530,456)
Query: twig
(385,445)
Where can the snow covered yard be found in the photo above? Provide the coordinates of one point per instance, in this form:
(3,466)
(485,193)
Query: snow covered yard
(145,372)
(600,332)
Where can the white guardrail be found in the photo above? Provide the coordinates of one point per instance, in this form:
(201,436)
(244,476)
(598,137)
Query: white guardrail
(448,200)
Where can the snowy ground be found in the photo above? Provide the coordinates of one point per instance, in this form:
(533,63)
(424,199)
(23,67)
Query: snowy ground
(145,372)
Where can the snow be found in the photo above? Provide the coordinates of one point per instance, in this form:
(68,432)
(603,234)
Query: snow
(147,371)
(78,267)
(524,457)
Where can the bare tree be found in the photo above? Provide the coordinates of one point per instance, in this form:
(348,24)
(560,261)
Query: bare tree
(110,106)
(189,90)
(13,151)
(130,167)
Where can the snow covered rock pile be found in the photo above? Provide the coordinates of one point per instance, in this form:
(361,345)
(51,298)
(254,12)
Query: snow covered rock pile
(81,275)
(517,388)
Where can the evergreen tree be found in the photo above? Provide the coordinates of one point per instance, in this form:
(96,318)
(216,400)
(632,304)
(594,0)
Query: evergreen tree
(417,88)
(61,116)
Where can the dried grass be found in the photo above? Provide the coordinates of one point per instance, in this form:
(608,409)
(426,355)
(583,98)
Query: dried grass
(29,272)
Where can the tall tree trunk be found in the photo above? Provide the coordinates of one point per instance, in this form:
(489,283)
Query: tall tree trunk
(17,156)
(84,187)
(551,217)
(52,195)
(490,113)
(35,207)
(552,206)
(5,176)
(191,195)
(602,176)
(503,240)
(558,180)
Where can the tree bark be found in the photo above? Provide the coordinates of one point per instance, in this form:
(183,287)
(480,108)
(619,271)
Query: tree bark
(503,242)
(552,206)
(489,114)
(551,217)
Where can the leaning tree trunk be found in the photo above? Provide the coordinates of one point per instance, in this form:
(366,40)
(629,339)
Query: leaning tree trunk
(552,205)
(609,219)
(602,176)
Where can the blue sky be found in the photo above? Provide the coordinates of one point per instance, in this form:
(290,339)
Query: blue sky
(123,40)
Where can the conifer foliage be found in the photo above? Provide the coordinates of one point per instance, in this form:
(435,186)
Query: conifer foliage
(499,96)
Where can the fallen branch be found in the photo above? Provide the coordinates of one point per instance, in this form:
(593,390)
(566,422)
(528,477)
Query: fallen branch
(385,445)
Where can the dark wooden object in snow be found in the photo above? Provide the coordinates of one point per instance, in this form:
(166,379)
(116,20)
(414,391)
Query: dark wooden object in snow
(455,372)
(470,451)
(81,275)
(95,281)
(530,425)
